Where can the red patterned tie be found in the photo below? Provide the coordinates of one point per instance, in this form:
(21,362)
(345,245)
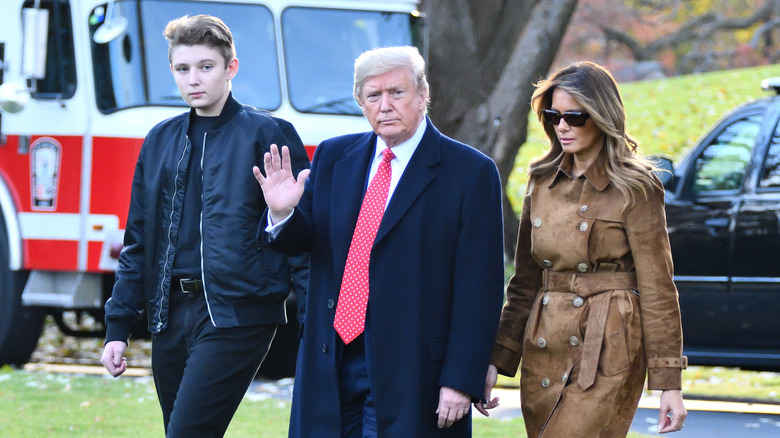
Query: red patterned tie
(350,318)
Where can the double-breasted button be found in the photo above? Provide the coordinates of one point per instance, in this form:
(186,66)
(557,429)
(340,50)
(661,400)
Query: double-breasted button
(538,222)
(574,341)
(565,377)
(545,383)
(541,342)
(583,267)
(578,301)
(330,304)
(324,348)
(584,208)
(584,227)
(546,300)
(547,263)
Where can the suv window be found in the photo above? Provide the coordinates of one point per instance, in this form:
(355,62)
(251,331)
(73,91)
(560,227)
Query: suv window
(770,175)
(722,164)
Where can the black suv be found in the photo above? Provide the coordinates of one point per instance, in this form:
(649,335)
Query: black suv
(723,214)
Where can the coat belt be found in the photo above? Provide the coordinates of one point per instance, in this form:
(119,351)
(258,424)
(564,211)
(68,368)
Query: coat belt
(590,285)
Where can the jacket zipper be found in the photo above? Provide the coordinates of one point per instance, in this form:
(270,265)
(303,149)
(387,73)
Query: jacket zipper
(200,228)
(170,226)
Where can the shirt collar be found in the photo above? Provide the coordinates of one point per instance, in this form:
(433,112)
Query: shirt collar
(595,174)
(403,151)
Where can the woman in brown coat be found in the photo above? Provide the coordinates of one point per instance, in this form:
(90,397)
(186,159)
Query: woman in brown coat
(592,306)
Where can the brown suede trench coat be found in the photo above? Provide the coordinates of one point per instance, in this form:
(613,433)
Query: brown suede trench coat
(591,308)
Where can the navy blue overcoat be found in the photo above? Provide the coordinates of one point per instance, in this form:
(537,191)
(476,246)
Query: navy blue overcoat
(436,283)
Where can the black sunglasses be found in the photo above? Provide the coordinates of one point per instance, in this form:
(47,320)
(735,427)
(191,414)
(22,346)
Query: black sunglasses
(572,118)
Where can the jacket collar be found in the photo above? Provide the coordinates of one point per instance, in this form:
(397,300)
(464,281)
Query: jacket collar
(596,174)
(231,108)
(348,180)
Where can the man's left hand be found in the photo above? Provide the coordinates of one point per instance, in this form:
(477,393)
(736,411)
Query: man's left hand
(453,405)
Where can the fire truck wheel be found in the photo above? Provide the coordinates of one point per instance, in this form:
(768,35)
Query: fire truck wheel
(20,327)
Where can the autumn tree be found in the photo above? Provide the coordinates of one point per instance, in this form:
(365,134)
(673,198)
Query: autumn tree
(686,35)
(484,57)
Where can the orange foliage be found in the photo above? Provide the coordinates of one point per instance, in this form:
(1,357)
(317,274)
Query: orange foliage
(585,38)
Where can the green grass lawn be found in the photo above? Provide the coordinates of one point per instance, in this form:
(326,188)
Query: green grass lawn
(39,404)
(57,405)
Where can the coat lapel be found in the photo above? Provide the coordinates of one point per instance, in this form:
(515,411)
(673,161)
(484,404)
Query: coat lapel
(416,177)
(348,184)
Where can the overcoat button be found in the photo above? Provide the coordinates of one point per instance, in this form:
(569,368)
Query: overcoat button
(542,343)
(545,383)
(577,301)
(565,377)
(546,300)
(324,348)
(538,222)
(583,267)
(330,304)
(546,263)
(584,208)
(574,341)
(584,227)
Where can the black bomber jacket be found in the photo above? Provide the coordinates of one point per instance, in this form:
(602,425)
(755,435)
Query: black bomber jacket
(245,282)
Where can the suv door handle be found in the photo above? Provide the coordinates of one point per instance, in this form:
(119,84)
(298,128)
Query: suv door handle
(718,222)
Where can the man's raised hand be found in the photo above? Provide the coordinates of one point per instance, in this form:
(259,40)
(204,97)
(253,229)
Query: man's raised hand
(281,189)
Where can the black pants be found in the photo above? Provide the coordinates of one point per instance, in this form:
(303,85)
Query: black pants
(358,411)
(202,372)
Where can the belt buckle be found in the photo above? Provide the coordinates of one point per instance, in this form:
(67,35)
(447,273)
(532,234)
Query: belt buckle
(186,283)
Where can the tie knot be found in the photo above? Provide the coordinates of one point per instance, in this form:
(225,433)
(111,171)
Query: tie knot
(388,155)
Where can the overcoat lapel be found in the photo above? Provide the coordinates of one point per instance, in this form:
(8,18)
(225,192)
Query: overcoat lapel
(349,176)
(416,177)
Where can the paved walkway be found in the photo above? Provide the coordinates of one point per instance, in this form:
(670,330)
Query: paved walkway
(510,405)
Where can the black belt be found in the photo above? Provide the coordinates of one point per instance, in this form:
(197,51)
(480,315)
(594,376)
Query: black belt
(189,285)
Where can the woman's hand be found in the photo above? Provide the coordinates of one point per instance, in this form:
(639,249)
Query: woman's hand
(671,417)
(490,381)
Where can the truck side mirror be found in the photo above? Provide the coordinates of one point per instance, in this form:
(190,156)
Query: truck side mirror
(14,95)
(35,23)
(665,171)
(112,28)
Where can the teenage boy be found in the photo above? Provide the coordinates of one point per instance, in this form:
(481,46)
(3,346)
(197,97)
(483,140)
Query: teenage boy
(213,294)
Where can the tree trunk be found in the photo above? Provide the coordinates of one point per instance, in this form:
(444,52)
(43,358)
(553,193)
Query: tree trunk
(484,57)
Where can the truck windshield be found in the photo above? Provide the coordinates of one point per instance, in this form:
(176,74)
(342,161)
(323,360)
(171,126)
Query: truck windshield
(320,44)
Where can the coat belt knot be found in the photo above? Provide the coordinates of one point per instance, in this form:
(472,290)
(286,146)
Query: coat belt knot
(592,286)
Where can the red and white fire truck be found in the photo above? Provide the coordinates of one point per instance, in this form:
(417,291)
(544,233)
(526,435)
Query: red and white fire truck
(83,81)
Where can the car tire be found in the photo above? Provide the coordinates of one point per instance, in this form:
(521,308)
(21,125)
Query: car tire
(20,326)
